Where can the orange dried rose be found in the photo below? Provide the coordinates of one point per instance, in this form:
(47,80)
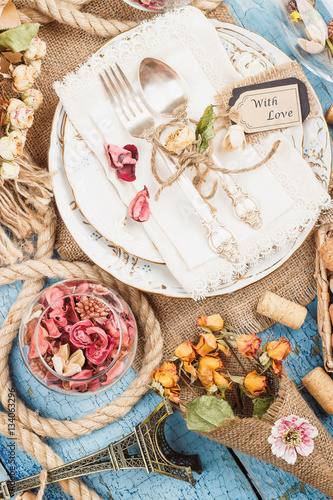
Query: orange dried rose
(255,383)
(279,349)
(277,367)
(248,345)
(221,379)
(224,349)
(166,375)
(213,322)
(207,366)
(185,351)
(190,369)
(207,344)
(173,393)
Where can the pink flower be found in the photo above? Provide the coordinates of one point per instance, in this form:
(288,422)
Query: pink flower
(139,207)
(290,435)
(79,336)
(102,345)
(123,160)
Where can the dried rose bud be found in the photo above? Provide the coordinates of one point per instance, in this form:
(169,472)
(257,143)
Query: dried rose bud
(32,98)
(255,383)
(234,138)
(36,67)
(9,170)
(18,116)
(23,77)
(139,207)
(36,50)
(180,139)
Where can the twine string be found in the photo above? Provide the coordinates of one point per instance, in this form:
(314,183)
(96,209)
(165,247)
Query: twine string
(193,160)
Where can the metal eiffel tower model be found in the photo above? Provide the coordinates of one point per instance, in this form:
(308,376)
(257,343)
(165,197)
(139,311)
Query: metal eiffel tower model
(150,451)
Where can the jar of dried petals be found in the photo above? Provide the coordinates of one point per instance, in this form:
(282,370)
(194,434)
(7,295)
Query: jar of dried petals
(78,337)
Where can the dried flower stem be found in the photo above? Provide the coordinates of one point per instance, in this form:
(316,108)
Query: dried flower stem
(330,45)
(236,357)
(188,385)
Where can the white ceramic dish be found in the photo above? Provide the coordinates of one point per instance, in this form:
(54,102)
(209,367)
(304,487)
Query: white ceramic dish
(155,278)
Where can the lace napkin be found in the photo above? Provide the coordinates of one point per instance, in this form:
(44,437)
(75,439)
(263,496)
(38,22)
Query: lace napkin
(187,41)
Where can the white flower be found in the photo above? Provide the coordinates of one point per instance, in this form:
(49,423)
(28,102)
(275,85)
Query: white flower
(9,170)
(180,139)
(32,98)
(36,67)
(316,42)
(36,50)
(234,138)
(12,146)
(23,77)
(292,435)
(67,365)
(18,115)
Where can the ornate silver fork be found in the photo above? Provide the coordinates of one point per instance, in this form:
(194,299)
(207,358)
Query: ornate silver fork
(137,120)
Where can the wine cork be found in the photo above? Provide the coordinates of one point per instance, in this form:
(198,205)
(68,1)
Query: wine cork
(320,386)
(282,310)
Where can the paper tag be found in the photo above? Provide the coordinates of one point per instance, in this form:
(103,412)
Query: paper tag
(271,105)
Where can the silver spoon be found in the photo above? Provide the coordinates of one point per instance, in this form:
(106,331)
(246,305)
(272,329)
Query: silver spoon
(166,93)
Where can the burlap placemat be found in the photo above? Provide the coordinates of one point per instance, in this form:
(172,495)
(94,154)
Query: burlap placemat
(67,48)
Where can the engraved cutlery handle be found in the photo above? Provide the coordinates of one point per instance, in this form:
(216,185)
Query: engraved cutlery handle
(245,208)
(221,240)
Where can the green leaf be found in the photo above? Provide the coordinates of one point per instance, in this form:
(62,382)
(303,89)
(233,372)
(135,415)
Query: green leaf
(17,39)
(205,129)
(236,379)
(261,406)
(205,413)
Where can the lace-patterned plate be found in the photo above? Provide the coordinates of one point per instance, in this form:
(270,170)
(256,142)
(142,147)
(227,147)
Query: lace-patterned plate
(250,53)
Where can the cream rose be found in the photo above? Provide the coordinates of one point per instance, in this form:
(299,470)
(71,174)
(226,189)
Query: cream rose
(234,138)
(36,67)
(36,50)
(12,146)
(32,98)
(23,77)
(9,170)
(18,115)
(180,139)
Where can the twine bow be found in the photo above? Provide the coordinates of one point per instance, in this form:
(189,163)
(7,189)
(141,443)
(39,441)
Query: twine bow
(193,160)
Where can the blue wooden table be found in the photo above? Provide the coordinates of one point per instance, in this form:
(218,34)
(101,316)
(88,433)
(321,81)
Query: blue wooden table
(225,474)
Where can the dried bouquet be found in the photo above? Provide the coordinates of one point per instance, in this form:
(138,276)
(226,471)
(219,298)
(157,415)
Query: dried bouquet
(25,189)
(225,379)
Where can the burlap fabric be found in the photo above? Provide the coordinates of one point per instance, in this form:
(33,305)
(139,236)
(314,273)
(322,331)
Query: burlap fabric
(67,48)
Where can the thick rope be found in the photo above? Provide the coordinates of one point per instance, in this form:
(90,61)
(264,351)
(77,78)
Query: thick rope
(35,447)
(67,12)
(28,422)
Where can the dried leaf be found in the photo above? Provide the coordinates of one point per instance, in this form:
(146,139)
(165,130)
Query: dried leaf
(205,413)
(261,405)
(17,39)
(205,129)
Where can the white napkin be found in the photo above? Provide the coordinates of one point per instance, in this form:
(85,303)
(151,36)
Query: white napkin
(188,42)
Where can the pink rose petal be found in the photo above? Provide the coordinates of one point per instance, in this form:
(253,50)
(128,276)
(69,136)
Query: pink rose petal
(139,207)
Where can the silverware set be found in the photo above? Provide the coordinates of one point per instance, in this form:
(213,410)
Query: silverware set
(166,92)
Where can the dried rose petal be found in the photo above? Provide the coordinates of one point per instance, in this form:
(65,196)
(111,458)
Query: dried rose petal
(52,328)
(78,334)
(29,331)
(58,315)
(54,296)
(123,160)
(139,207)
(76,385)
(43,344)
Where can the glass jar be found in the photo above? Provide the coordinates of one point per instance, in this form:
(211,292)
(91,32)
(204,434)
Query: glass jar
(78,337)
(292,28)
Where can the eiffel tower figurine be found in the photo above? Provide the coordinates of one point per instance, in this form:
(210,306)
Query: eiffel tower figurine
(145,448)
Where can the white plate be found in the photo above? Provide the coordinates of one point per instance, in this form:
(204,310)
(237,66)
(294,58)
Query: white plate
(156,278)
